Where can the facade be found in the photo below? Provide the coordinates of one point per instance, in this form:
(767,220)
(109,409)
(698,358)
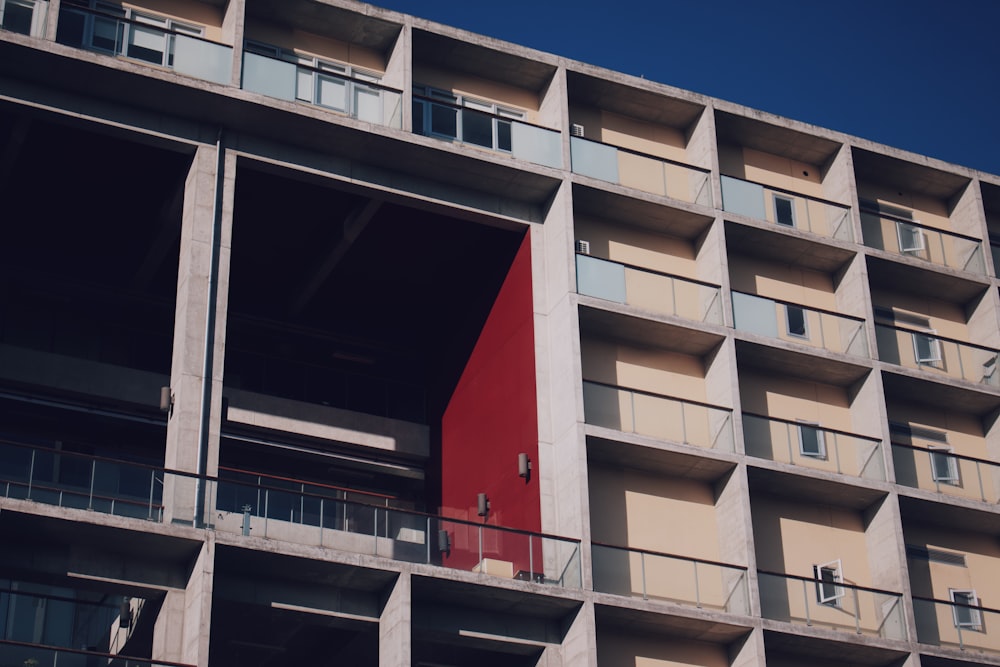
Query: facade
(334,336)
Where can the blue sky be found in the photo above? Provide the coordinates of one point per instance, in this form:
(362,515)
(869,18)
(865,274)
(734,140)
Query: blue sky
(923,75)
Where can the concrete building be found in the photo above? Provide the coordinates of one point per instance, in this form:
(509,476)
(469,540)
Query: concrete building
(334,336)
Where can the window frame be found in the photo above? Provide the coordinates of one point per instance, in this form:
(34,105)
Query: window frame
(501,116)
(775,198)
(789,307)
(933,346)
(914,232)
(126,30)
(38,9)
(940,453)
(835,582)
(971,607)
(820,452)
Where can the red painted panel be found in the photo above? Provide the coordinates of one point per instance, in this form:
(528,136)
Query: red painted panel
(491,418)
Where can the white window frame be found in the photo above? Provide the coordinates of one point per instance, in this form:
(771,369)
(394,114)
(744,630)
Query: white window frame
(308,82)
(820,452)
(938,454)
(933,347)
(805,321)
(911,238)
(125,31)
(973,619)
(38,9)
(824,585)
(775,197)
(500,115)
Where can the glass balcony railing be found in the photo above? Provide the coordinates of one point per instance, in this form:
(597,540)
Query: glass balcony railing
(944,623)
(807,444)
(66,479)
(656,576)
(357,98)
(24,654)
(909,238)
(786,208)
(926,351)
(942,471)
(306,513)
(653,415)
(799,324)
(147,39)
(647,289)
(995,252)
(656,175)
(832,605)
(494,131)
(26,17)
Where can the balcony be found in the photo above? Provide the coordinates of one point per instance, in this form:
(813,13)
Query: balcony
(271,72)
(907,237)
(942,471)
(308,513)
(786,208)
(833,605)
(647,289)
(39,655)
(809,445)
(800,324)
(955,624)
(651,575)
(924,350)
(657,416)
(146,38)
(26,17)
(438,115)
(79,481)
(656,175)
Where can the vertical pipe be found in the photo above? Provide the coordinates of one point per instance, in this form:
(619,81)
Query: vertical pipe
(210,315)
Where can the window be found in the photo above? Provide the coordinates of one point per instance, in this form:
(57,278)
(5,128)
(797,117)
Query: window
(926,348)
(439,113)
(811,440)
(784,210)
(911,238)
(966,612)
(944,466)
(146,37)
(828,576)
(26,17)
(336,86)
(795,319)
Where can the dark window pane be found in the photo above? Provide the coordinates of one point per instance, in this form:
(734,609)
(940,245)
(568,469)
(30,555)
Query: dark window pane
(503,135)
(444,120)
(477,128)
(783,212)
(796,320)
(17,18)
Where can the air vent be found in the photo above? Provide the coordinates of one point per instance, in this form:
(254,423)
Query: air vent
(576,130)
(583,247)
(935,555)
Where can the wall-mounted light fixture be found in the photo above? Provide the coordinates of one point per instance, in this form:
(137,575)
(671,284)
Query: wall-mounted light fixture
(444,542)
(166,400)
(483,504)
(523,466)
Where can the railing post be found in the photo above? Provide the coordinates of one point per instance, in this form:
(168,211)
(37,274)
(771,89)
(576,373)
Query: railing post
(805,597)
(93,476)
(697,589)
(631,403)
(961,364)
(788,439)
(427,540)
(836,450)
(673,295)
(979,476)
(642,562)
(857,612)
(531,559)
(31,473)
(684,428)
(480,531)
(152,485)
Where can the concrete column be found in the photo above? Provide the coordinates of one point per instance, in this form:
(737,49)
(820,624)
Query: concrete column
(52,20)
(394,627)
(181,632)
(399,73)
(233,22)
(207,222)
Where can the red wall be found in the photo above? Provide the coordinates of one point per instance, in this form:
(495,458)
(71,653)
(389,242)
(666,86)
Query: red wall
(491,417)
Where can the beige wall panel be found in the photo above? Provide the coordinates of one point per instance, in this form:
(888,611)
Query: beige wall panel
(485,89)
(782,172)
(641,136)
(926,210)
(947,319)
(187,11)
(785,282)
(310,44)
(617,649)
(792,398)
(631,245)
(648,369)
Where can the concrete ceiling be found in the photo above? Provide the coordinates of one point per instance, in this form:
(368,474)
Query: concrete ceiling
(323,19)
(655,460)
(627,100)
(786,247)
(635,212)
(646,333)
(774,139)
(906,176)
